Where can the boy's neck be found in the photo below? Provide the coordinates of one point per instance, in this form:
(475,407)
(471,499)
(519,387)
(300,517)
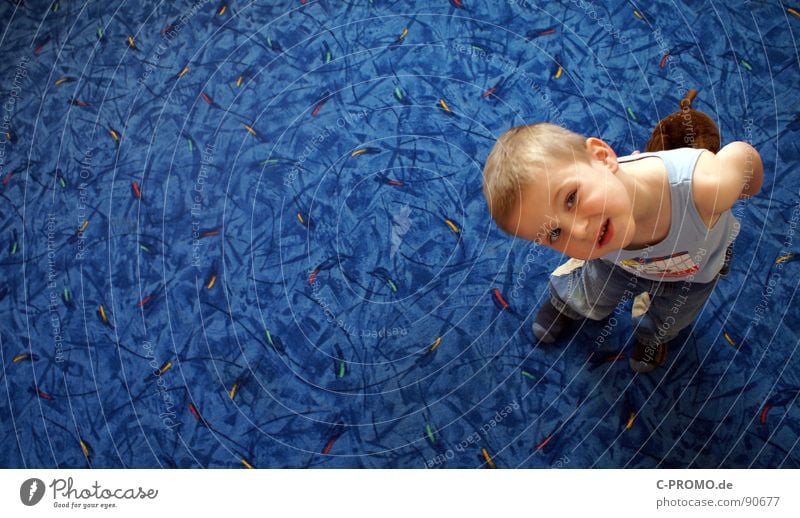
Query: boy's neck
(648,189)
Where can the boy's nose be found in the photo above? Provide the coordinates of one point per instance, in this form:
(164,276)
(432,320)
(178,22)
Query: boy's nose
(580,228)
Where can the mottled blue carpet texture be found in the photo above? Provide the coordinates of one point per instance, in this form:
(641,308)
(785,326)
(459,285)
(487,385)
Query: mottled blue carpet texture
(240,235)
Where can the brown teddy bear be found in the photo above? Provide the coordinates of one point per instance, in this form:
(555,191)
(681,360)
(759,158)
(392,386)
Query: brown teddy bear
(688,128)
(685,128)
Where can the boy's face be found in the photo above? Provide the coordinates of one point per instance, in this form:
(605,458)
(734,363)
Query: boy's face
(582,210)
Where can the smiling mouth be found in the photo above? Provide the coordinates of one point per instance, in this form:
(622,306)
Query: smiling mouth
(606,232)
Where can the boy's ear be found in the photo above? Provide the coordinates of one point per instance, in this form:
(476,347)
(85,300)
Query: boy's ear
(602,152)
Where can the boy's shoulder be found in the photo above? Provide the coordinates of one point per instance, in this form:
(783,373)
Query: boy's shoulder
(706,188)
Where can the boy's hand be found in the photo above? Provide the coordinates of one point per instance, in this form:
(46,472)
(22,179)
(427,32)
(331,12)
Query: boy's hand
(719,180)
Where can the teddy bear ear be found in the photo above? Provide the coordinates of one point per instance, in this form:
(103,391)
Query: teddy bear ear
(686,102)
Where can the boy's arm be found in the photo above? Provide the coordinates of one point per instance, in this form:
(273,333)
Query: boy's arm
(735,172)
(743,158)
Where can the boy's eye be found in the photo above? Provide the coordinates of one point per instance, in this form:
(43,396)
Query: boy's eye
(571,199)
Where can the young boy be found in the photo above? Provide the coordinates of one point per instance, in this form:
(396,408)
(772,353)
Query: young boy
(656,224)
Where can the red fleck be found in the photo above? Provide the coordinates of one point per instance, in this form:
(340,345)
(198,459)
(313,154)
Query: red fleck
(395,182)
(207,99)
(136,192)
(144,301)
(500,298)
(317,108)
(764,413)
(195,413)
(329,445)
(664,60)
(489,92)
(544,442)
(312,277)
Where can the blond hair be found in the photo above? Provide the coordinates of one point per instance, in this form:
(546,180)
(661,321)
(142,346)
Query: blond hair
(517,158)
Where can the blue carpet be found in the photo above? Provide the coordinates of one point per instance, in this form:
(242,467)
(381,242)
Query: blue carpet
(242,235)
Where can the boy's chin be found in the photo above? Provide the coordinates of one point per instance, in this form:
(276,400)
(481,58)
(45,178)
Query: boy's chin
(591,256)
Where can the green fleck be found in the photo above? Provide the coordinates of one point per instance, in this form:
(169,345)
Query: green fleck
(391,285)
(746,65)
(14,248)
(630,112)
(429,431)
(398,93)
(66,294)
(528,375)
(341,369)
(269,337)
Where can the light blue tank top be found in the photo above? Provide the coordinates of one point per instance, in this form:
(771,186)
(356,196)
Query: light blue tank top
(691,251)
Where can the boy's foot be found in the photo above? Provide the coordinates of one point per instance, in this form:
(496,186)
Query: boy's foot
(549,324)
(726,265)
(646,358)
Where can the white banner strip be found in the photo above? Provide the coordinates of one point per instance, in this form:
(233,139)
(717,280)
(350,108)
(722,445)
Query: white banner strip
(402,493)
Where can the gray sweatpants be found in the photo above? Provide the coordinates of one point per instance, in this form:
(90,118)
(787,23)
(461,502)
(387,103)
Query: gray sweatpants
(592,289)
